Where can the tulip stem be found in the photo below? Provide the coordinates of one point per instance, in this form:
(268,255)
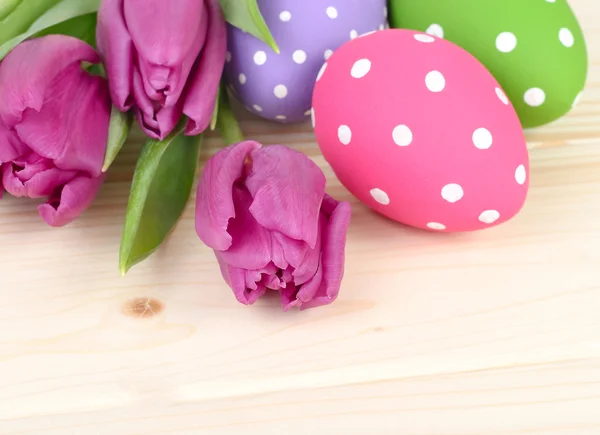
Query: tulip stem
(227,123)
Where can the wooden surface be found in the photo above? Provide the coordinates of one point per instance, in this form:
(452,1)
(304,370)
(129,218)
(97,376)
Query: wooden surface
(496,332)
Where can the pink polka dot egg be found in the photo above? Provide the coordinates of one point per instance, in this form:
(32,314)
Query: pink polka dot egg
(417,129)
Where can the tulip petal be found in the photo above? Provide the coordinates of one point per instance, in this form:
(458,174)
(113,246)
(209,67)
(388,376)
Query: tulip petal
(71,128)
(29,71)
(278,254)
(11,146)
(254,277)
(214,199)
(288,189)
(288,297)
(308,290)
(156,123)
(251,247)
(236,279)
(34,180)
(203,82)
(166,57)
(165,32)
(116,48)
(68,203)
(310,263)
(294,251)
(333,254)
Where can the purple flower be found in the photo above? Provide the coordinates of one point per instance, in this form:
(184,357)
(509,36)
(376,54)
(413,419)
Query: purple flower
(266,214)
(165,58)
(54,119)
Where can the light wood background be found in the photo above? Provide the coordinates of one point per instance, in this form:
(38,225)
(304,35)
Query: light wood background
(496,332)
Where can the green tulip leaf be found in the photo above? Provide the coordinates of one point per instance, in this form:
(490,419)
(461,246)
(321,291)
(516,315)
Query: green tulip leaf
(227,123)
(58,12)
(82,27)
(7,7)
(120,124)
(161,187)
(245,15)
(215,115)
(16,16)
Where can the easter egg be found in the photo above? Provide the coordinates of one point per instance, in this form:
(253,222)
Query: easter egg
(279,86)
(534,48)
(425,136)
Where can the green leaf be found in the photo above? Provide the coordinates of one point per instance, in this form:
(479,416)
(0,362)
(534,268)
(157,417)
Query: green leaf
(215,116)
(62,11)
(82,27)
(17,15)
(227,122)
(245,15)
(120,124)
(161,188)
(7,7)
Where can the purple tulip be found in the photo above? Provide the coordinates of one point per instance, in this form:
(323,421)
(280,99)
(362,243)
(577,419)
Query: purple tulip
(165,58)
(266,214)
(54,119)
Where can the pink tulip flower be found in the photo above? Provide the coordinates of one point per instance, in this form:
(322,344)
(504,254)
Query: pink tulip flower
(266,214)
(54,119)
(164,58)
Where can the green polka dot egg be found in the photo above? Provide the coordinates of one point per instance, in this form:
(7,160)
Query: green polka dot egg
(534,48)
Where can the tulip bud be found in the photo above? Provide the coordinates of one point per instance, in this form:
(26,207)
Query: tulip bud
(54,119)
(272,225)
(164,59)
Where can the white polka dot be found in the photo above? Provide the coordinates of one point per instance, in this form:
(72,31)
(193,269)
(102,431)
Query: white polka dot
(322,71)
(489,216)
(260,57)
(436,226)
(257,108)
(281,117)
(332,12)
(380,196)
(551,1)
(344,134)
(577,99)
(381,27)
(360,68)
(285,16)
(435,81)
(385,11)
(566,37)
(242,78)
(327,54)
(402,135)
(500,93)
(280,91)
(452,192)
(313,120)
(424,38)
(435,30)
(521,174)
(299,56)
(353,34)
(228,56)
(308,112)
(482,138)
(506,42)
(535,97)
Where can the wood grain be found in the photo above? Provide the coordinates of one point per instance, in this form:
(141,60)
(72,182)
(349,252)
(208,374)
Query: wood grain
(495,332)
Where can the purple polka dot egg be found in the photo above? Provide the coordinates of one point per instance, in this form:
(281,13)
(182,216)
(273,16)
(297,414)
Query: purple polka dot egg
(279,87)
